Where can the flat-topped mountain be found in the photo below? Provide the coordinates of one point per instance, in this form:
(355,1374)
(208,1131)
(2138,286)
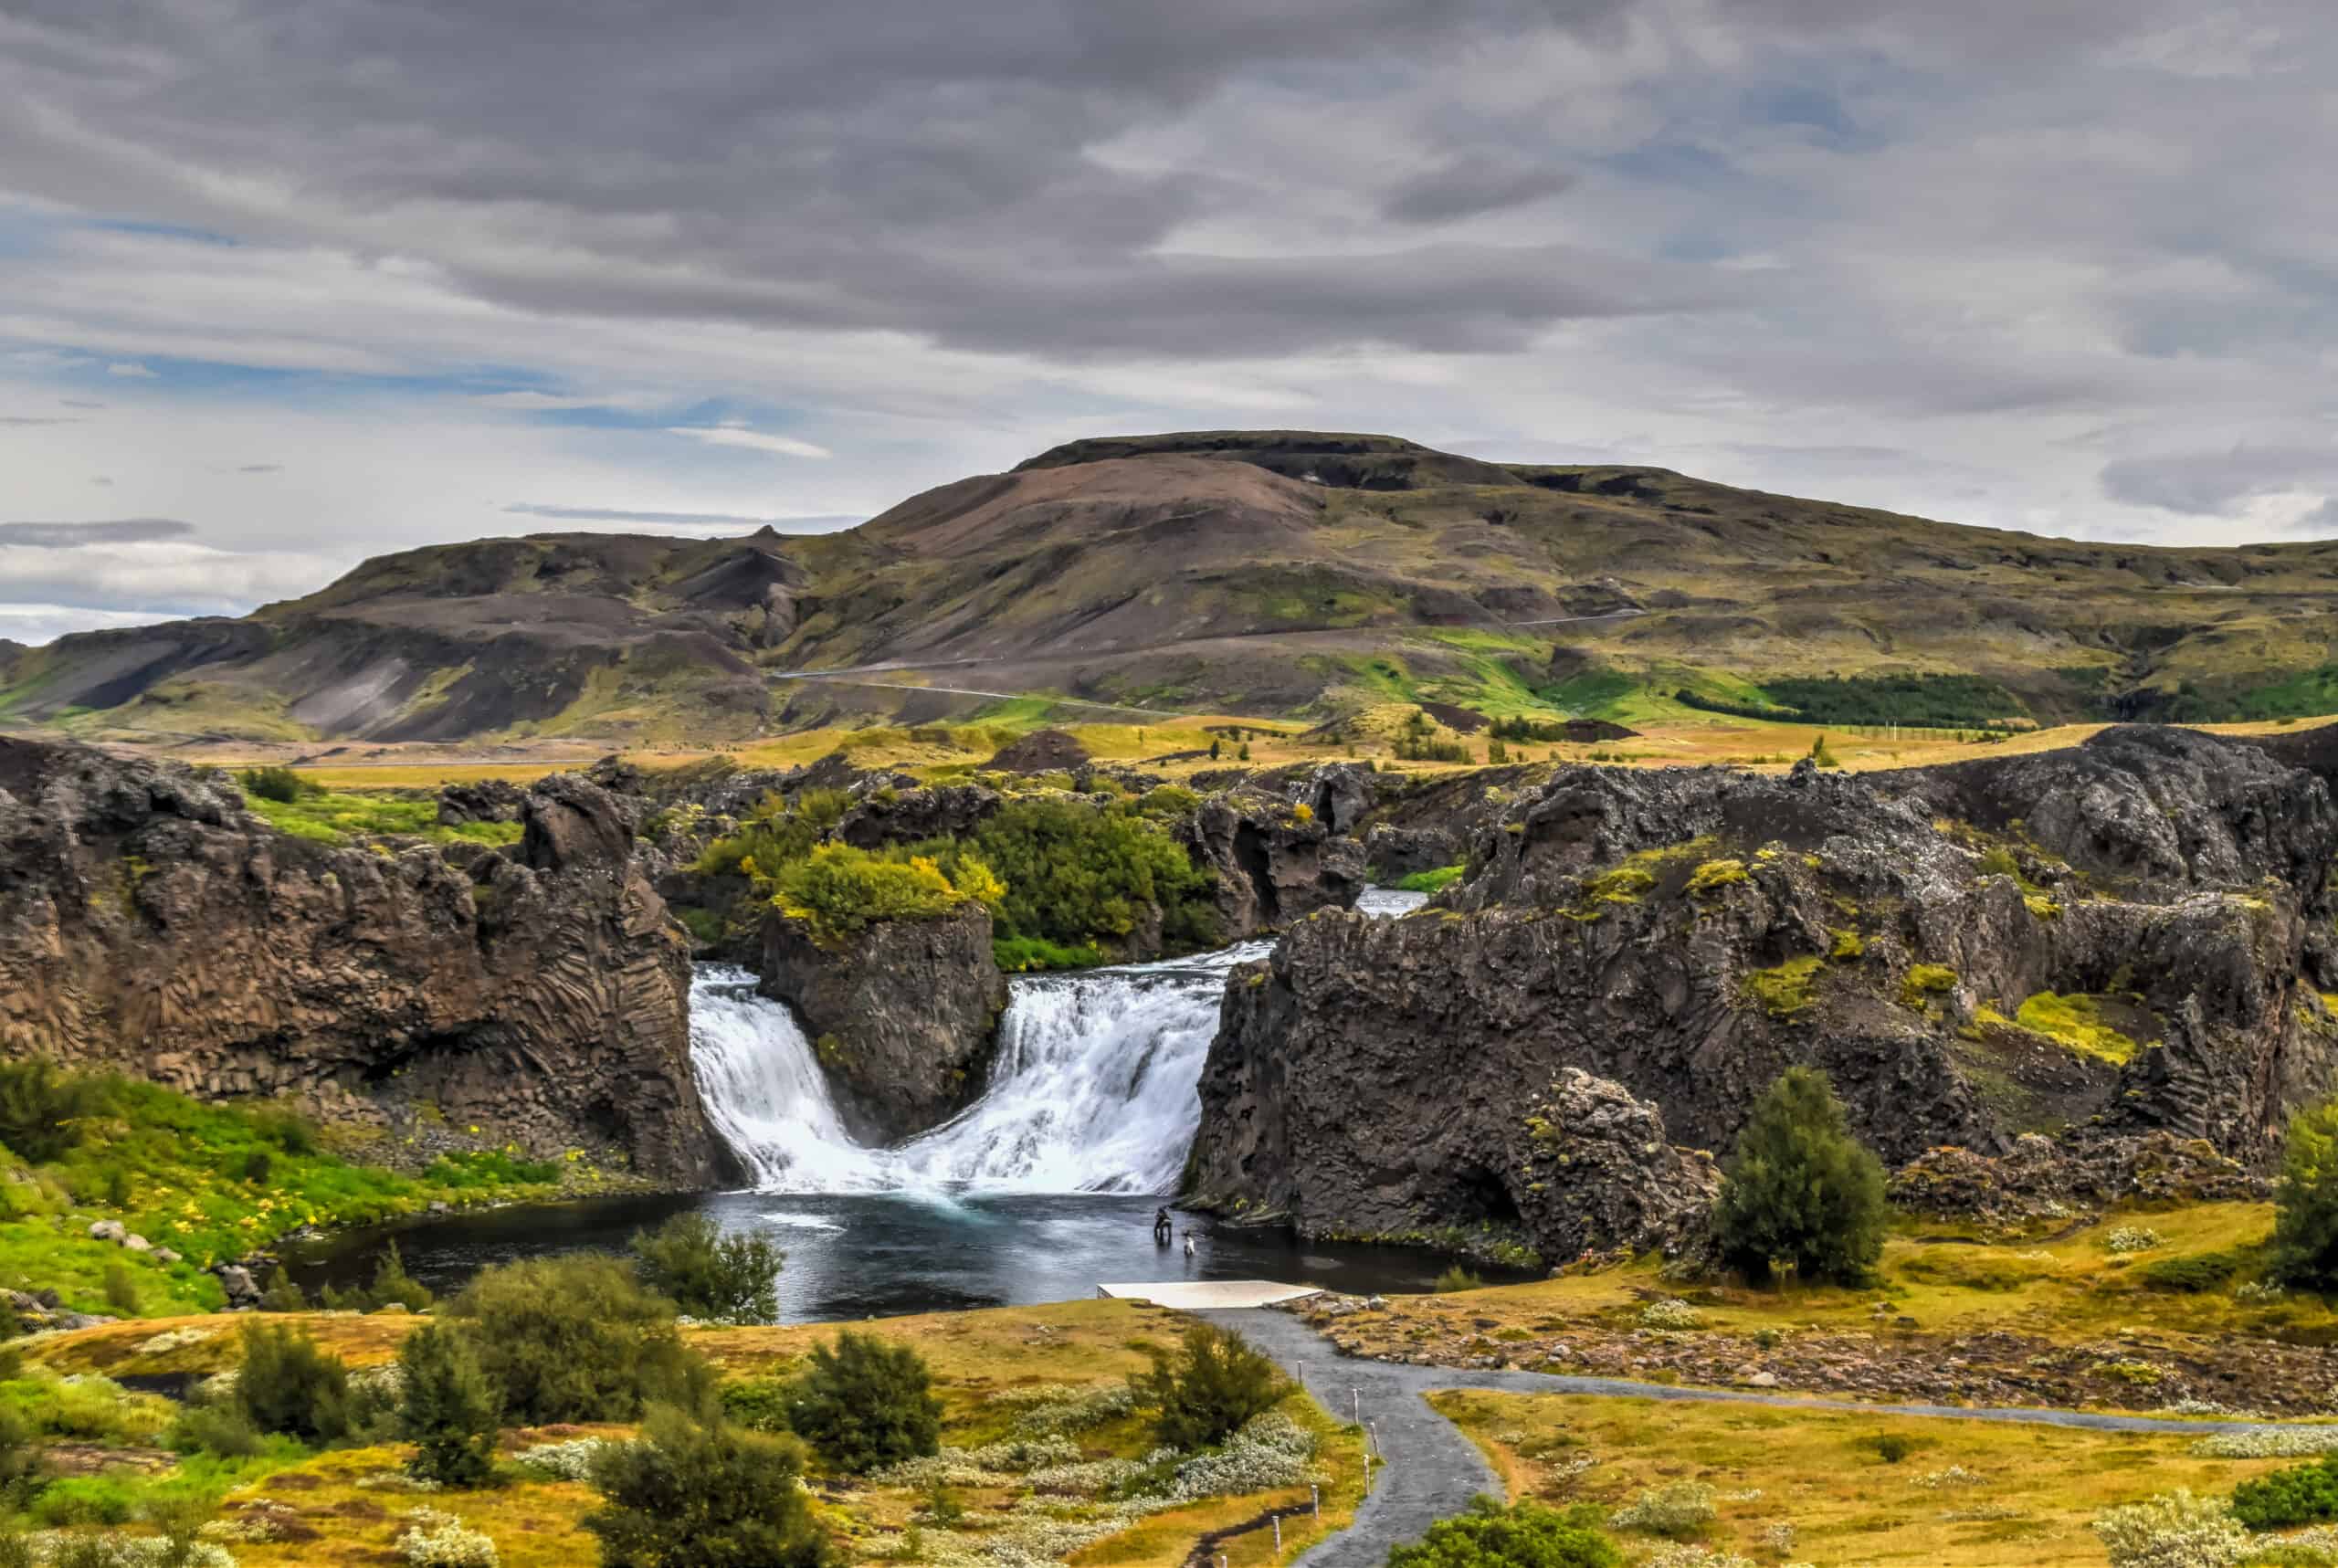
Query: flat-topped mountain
(1272,573)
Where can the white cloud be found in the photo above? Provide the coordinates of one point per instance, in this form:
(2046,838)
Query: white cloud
(753,440)
(37,623)
(125,368)
(529,401)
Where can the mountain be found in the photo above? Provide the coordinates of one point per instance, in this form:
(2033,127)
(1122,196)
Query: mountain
(1270,573)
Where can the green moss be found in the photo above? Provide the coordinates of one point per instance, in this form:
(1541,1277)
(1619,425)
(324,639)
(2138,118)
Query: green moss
(334,818)
(1788,989)
(1849,944)
(1716,874)
(1924,982)
(1435,881)
(2076,1021)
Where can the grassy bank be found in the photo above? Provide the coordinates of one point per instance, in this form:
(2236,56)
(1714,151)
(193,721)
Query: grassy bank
(211,1183)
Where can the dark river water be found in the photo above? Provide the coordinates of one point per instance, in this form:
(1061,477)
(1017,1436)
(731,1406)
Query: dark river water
(875,1255)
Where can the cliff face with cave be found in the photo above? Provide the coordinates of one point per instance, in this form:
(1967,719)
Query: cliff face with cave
(150,924)
(2130,935)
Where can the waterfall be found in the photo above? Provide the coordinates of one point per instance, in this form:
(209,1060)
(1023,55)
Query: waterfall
(1092,1091)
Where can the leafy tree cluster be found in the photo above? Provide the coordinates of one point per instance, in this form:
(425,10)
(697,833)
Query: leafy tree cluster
(1075,874)
(704,1494)
(2300,1494)
(840,891)
(1801,1191)
(1521,727)
(2305,1211)
(865,1402)
(731,1278)
(1929,702)
(1418,741)
(776,833)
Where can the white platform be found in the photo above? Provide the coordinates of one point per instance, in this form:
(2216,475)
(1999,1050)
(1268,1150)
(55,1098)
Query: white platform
(1206,1295)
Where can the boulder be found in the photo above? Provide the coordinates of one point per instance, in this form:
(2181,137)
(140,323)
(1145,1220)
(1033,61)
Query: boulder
(1593,1173)
(903,1017)
(907,817)
(1040,752)
(112,1230)
(486,800)
(1274,864)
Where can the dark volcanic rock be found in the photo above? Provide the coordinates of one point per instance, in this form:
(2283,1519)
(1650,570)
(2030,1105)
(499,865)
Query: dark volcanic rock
(1273,865)
(906,817)
(2038,1180)
(489,800)
(1593,1173)
(1688,934)
(1040,752)
(903,1018)
(148,923)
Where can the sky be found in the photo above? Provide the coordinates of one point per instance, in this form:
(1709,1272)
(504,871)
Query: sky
(284,284)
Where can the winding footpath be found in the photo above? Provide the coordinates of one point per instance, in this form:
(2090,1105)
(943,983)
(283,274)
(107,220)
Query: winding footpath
(1432,1470)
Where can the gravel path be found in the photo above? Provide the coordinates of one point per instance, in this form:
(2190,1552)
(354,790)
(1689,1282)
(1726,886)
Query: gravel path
(1433,1470)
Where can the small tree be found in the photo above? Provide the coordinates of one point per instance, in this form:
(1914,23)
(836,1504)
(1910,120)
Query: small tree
(286,1385)
(578,1338)
(2305,1203)
(392,1284)
(1204,1393)
(1801,1188)
(1242,754)
(707,1274)
(281,784)
(1213,749)
(449,1409)
(1528,1535)
(694,1496)
(864,1402)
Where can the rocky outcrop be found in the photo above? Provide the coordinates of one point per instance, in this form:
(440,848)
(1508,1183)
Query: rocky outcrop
(1040,752)
(903,1018)
(2038,1180)
(149,923)
(1276,861)
(1688,934)
(884,817)
(487,800)
(1595,1172)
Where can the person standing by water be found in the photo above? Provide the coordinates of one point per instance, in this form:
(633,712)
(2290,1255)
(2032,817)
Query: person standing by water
(1160,1226)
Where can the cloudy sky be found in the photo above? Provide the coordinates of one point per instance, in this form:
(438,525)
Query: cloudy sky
(286,283)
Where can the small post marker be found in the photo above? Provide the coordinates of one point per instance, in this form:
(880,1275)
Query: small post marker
(1315,1501)
(1303,1375)
(1278,1535)
(1356,1396)
(1374,1431)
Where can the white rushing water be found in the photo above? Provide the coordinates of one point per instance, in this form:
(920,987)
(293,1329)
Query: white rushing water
(1092,1091)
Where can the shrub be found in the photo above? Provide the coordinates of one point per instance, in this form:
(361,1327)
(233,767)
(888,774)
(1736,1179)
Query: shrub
(2305,1204)
(1209,1389)
(449,1409)
(864,1402)
(758,1403)
(392,1284)
(121,1291)
(286,1385)
(41,1108)
(439,1539)
(2174,1530)
(279,784)
(221,1430)
(1670,1314)
(578,1339)
(21,1465)
(2192,1276)
(691,1496)
(1526,1535)
(2301,1494)
(1678,1510)
(2131,1239)
(1801,1188)
(1891,1447)
(258,1166)
(281,1295)
(735,1278)
(1457,1277)
(840,891)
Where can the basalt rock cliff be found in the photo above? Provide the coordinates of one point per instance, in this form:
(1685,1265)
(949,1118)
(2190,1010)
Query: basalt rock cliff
(2125,937)
(150,924)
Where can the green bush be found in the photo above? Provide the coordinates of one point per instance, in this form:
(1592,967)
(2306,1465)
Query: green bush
(733,1278)
(21,1464)
(2305,1202)
(222,1429)
(281,1295)
(864,1402)
(41,1108)
(2301,1494)
(775,834)
(840,890)
(1891,1447)
(286,1385)
(392,1284)
(1024,954)
(2192,1276)
(447,1408)
(1801,1189)
(697,1496)
(1214,1384)
(578,1339)
(1457,1278)
(1526,1535)
(1076,875)
(121,1291)
(1435,881)
(277,784)
(758,1403)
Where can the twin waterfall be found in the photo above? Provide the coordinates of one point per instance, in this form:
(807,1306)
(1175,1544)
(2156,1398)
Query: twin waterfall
(1092,1091)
